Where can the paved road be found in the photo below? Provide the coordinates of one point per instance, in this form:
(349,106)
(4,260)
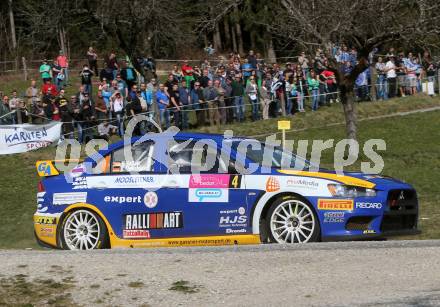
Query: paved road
(393,273)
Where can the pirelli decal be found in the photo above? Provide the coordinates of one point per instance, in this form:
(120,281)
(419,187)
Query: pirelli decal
(335,204)
(162,220)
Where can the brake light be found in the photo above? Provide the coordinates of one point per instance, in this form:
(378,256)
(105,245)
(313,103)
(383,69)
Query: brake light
(41,187)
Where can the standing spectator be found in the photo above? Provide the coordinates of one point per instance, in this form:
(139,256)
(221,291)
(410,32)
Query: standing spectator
(128,74)
(117,107)
(45,71)
(252,92)
(188,73)
(382,84)
(86,78)
(4,109)
(134,107)
(65,114)
(313,84)
(252,60)
(64,63)
(112,64)
(401,78)
(56,69)
(163,101)
(390,69)
(237,93)
(265,101)
(210,94)
(121,86)
(229,101)
(75,108)
(32,94)
(221,101)
(37,111)
(147,95)
(92,57)
(185,100)
(48,85)
(330,82)
(170,83)
(88,114)
(198,103)
(247,70)
(175,104)
(13,105)
(177,75)
(100,107)
(204,79)
(304,64)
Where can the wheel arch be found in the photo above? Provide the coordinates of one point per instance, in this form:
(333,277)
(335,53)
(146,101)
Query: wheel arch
(263,206)
(90,208)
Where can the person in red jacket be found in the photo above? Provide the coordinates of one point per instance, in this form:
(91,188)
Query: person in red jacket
(187,71)
(49,85)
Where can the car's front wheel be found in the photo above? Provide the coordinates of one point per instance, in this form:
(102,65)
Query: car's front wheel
(83,230)
(291,220)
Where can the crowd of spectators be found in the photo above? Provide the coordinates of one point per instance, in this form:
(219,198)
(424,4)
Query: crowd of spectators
(217,93)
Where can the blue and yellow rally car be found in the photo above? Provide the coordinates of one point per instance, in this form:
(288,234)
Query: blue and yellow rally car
(197,189)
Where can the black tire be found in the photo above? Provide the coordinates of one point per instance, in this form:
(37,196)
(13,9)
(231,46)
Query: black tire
(295,225)
(99,232)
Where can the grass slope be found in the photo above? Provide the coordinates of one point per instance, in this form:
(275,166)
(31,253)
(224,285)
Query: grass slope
(413,154)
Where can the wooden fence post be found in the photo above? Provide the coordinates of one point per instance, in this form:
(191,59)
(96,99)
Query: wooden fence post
(25,72)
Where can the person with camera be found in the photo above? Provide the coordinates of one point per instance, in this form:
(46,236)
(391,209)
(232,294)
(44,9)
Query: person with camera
(86,78)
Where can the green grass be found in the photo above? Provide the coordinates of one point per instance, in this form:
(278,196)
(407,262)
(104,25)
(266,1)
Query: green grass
(413,154)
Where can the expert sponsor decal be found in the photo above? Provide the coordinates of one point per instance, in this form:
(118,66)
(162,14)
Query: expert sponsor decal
(302,183)
(335,204)
(146,221)
(47,220)
(136,234)
(69,198)
(210,195)
(334,217)
(368,205)
(369,231)
(233,218)
(123,199)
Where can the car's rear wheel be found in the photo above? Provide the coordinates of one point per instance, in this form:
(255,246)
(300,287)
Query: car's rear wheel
(83,230)
(291,220)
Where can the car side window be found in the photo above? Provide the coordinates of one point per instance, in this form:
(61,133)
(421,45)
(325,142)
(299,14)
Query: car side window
(187,157)
(142,159)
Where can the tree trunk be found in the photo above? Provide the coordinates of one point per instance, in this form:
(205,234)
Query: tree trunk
(217,38)
(227,43)
(350,115)
(270,51)
(13,35)
(234,40)
(238,31)
(252,36)
(12,22)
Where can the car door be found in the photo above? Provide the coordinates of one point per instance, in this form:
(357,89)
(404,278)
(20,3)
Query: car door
(127,192)
(212,200)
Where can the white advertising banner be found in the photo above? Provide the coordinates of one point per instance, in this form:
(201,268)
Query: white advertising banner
(26,137)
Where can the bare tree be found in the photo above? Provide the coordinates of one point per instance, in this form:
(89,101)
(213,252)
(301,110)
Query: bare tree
(361,24)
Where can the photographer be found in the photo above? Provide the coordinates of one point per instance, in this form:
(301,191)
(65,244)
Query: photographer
(86,78)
